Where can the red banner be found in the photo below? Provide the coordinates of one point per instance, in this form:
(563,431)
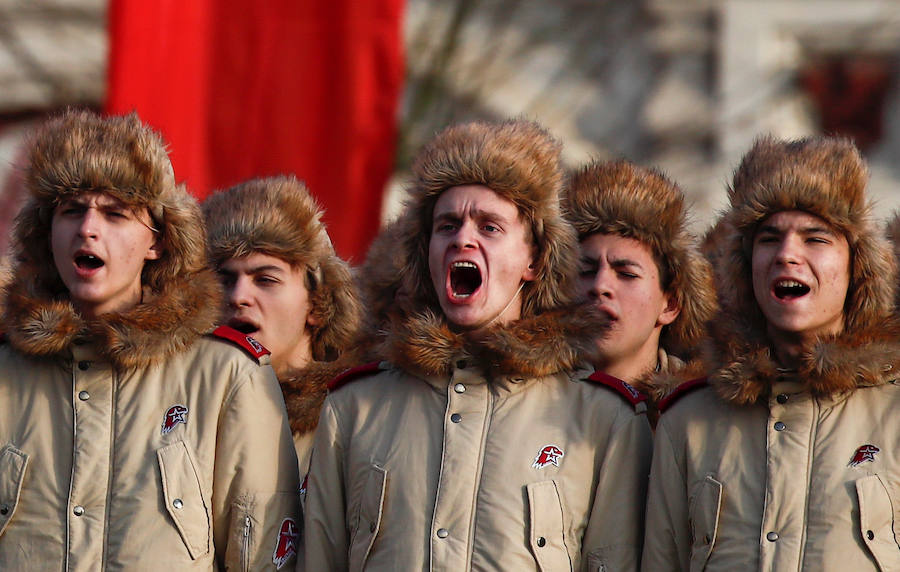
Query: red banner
(242,88)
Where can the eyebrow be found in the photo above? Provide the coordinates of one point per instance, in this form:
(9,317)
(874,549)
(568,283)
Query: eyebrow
(803,230)
(254,270)
(475,213)
(616,262)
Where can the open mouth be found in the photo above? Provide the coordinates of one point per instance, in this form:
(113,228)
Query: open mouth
(88,262)
(465,279)
(789,289)
(244,326)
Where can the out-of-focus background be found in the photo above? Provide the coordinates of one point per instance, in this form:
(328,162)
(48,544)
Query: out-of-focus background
(343,96)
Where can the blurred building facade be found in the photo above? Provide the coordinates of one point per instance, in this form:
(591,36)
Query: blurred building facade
(685,85)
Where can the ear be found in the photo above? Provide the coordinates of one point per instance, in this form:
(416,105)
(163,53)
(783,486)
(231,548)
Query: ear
(670,310)
(155,251)
(312,319)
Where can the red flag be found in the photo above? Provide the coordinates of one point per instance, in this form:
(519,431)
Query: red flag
(243,88)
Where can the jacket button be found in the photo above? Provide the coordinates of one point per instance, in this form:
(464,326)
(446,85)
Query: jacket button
(542,542)
(782,398)
(78,510)
(84,365)
(459,388)
(772,536)
(461,364)
(372,527)
(4,510)
(443,533)
(178,503)
(84,395)
(779,426)
(456,418)
(869,534)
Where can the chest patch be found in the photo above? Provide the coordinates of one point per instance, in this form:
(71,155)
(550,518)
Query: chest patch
(174,415)
(865,453)
(549,455)
(286,546)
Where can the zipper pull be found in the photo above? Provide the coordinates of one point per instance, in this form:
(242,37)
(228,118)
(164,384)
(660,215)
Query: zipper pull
(246,526)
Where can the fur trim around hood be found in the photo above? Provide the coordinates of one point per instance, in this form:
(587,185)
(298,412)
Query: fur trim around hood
(518,160)
(558,340)
(277,216)
(624,199)
(825,177)
(305,391)
(80,151)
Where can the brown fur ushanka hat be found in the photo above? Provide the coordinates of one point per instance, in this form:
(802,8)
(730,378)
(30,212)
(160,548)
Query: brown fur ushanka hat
(623,199)
(518,160)
(277,216)
(80,151)
(823,176)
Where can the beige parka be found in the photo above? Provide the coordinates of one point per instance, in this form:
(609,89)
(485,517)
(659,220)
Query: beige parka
(482,455)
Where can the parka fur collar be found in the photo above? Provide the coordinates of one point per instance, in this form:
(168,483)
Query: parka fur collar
(555,341)
(40,324)
(305,390)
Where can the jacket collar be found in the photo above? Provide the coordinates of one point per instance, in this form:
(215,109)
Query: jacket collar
(558,340)
(41,324)
(305,390)
(743,365)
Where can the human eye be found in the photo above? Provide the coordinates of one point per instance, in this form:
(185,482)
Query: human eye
(445,227)
(70,209)
(490,227)
(628,275)
(266,280)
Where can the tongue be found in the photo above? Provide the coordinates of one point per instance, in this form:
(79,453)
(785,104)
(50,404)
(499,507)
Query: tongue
(465,281)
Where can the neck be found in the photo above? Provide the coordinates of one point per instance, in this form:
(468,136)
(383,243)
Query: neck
(631,367)
(789,347)
(299,359)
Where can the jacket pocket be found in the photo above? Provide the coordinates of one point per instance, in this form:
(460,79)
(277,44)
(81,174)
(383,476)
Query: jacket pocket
(13,463)
(368,517)
(184,497)
(878,513)
(547,527)
(705,504)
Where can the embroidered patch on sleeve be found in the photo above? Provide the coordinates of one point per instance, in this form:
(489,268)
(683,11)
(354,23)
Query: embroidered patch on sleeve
(174,415)
(286,546)
(549,455)
(864,454)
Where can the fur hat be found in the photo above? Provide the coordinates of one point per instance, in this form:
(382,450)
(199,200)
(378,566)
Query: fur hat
(277,216)
(80,151)
(624,199)
(823,176)
(518,160)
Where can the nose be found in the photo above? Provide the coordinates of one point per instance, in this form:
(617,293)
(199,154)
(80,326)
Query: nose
(600,284)
(238,293)
(465,236)
(788,250)
(90,224)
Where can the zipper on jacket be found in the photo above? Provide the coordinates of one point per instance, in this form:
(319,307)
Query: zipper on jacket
(245,547)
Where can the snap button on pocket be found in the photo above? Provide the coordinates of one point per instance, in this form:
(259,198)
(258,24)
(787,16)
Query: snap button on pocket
(78,510)
(870,535)
(459,388)
(456,418)
(542,542)
(84,395)
(772,536)
(84,365)
(178,503)
(443,533)
(779,426)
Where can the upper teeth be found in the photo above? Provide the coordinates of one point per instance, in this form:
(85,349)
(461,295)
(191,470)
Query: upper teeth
(789,284)
(464,264)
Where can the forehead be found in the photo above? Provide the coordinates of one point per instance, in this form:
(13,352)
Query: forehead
(477,199)
(94,198)
(253,262)
(614,246)
(795,220)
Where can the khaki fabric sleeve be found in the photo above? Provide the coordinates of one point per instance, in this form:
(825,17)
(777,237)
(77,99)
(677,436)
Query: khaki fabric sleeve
(255,491)
(325,536)
(667,533)
(612,540)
